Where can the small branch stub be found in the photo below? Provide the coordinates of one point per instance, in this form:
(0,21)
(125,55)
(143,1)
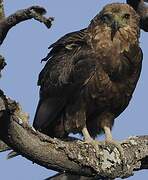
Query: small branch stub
(35,12)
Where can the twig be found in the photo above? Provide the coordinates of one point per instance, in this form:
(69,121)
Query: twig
(35,12)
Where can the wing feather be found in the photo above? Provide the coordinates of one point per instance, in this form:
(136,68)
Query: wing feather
(67,42)
(64,74)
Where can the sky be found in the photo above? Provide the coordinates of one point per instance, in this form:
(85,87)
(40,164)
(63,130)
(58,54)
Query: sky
(25,46)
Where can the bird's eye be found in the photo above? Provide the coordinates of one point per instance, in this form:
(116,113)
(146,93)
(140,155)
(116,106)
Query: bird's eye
(105,17)
(126,16)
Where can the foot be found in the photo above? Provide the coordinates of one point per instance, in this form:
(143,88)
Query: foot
(94,144)
(89,140)
(109,140)
(118,146)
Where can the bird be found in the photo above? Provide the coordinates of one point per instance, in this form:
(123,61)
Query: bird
(90,75)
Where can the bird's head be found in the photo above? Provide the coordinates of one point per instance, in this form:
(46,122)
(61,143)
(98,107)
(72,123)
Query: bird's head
(117,16)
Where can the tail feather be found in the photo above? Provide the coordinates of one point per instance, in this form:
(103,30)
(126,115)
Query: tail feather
(47,111)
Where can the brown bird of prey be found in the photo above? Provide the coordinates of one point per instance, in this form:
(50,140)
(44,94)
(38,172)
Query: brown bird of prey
(90,76)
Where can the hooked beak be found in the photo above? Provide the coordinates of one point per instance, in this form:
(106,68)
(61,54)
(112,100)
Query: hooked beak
(114,28)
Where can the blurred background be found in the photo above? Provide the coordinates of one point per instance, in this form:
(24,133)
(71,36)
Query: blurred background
(24,48)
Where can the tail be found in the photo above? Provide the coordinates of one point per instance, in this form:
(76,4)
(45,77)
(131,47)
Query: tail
(47,111)
(42,115)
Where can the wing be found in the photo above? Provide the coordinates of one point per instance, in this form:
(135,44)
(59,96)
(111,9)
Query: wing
(61,59)
(70,64)
(67,42)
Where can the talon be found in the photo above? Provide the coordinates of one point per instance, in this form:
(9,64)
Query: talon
(94,143)
(109,140)
(89,140)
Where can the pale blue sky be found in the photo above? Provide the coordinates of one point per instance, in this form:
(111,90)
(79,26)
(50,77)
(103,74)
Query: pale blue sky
(27,44)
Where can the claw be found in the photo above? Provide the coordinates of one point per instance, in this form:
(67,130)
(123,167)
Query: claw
(94,144)
(120,150)
(109,140)
(89,140)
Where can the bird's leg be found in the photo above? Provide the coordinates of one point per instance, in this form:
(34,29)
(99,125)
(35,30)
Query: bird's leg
(89,140)
(108,134)
(87,137)
(107,120)
(109,139)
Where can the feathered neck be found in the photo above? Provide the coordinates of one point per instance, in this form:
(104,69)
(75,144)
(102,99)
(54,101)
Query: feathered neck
(99,37)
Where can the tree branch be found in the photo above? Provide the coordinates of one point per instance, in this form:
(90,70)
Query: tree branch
(142,9)
(35,12)
(73,157)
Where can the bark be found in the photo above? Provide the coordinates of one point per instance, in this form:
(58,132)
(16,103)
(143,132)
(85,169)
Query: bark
(35,12)
(73,158)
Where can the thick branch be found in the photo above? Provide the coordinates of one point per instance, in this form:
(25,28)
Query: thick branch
(35,12)
(74,157)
